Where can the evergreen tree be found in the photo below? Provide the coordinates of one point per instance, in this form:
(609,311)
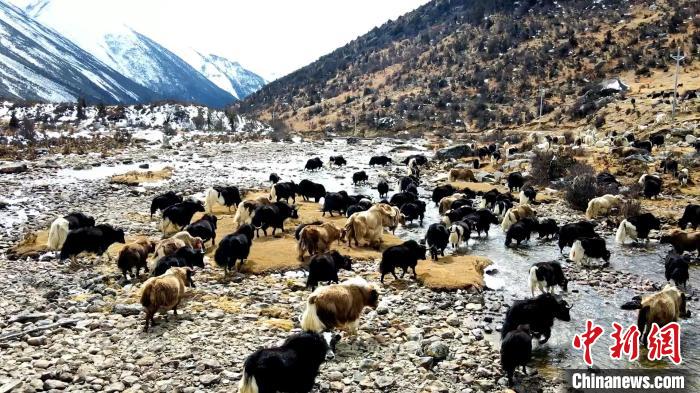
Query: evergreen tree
(14,122)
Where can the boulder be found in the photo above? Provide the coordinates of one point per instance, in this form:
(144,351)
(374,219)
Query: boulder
(457,151)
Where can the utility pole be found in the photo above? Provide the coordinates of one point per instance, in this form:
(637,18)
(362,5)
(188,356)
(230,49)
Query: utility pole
(678,59)
(542,91)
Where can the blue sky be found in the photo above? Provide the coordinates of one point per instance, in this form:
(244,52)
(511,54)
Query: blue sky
(271,37)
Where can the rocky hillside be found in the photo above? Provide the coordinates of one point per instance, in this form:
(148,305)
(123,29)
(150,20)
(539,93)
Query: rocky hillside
(470,65)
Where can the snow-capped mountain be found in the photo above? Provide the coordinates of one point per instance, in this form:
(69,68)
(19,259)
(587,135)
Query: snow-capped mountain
(227,74)
(36,63)
(132,54)
(210,80)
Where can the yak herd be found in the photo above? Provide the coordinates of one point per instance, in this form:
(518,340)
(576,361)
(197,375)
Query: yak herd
(295,365)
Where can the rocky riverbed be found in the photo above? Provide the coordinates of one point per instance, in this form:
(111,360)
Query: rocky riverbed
(81,329)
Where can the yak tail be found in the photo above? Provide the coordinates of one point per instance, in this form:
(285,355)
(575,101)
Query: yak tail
(622,234)
(451,178)
(273,193)
(350,230)
(310,321)
(642,319)
(213,197)
(146,296)
(248,384)
(533,279)
(57,233)
(302,245)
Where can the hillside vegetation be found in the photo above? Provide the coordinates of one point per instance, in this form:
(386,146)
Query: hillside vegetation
(471,65)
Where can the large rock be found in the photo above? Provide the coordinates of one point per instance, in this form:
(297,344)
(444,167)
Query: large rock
(457,151)
(13,169)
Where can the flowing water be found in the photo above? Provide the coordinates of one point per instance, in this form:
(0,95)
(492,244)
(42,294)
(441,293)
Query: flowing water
(249,165)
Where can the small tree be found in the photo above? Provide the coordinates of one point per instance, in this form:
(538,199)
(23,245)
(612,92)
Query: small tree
(14,122)
(81,109)
(26,130)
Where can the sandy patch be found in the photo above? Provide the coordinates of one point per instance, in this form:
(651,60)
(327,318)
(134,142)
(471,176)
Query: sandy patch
(134,178)
(453,272)
(279,253)
(483,187)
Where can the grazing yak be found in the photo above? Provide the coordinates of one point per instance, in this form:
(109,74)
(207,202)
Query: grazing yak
(516,350)
(335,201)
(95,239)
(585,248)
(313,164)
(539,313)
(359,177)
(481,221)
(181,239)
(682,241)
(339,306)
(652,185)
(645,145)
(380,160)
(284,190)
(272,215)
(204,228)
(602,206)
(413,168)
(546,276)
(404,256)
(368,226)
(179,215)
(521,231)
(224,196)
(437,239)
(676,268)
(441,192)
(461,174)
(245,210)
(407,181)
(164,201)
(662,308)
(134,256)
(360,207)
(527,195)
(324,268)
(316,239)
(460,231)
(58,232)
(165,292)
(413,211)
(308,189)
(568,233)
(637,227)
(446,202)
(683,176)
(420,159)
(234,247)
(401,198)
(515,181)
(669,165)
(337,161)
(691,215)
(516,214)
(291,367)
(547,228)
(457,214)
(383,188)
(183,257)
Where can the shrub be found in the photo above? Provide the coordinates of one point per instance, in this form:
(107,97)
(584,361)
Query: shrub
(581,190)
(631,208)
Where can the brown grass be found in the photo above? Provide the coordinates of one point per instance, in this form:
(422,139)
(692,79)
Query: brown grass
(33,245)
(279,253)
(453,272)
(134,178)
